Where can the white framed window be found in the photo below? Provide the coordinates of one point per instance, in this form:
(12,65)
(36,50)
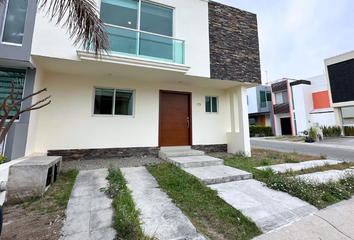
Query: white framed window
(348,116)
(113,102)
(14,21)
(211,104)
(281,97)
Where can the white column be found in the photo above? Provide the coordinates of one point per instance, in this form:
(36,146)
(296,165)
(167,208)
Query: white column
(239,138)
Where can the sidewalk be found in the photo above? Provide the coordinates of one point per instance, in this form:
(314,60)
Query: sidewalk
(333,222)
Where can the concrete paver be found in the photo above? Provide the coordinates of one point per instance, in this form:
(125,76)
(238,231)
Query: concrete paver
(89,213)
(218,174)
(326,176)
(268,208)
(159,216)
(332,151)
(333,222)
(282,168)
(194,161)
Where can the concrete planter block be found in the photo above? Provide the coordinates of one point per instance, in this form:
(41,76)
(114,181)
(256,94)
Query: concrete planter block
(31,177)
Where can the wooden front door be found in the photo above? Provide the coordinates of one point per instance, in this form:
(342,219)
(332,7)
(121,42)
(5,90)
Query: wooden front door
(175,119)
(261,120)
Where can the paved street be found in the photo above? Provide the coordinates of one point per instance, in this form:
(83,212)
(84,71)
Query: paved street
(333,151)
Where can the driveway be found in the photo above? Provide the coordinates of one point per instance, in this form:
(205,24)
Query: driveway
(336,148)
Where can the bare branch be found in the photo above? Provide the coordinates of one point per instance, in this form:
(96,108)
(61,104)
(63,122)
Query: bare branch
(81,21)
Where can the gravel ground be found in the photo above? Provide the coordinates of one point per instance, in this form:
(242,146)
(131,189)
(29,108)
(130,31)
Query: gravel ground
(105,163)
(122,162)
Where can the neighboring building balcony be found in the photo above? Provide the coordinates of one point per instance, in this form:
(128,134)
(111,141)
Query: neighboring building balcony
(141,44)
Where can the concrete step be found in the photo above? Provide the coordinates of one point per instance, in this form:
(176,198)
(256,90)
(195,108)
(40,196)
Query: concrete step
(218,174)
(195,161)
(164,154)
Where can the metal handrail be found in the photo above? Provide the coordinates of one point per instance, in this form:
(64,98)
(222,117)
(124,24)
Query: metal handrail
(139,31)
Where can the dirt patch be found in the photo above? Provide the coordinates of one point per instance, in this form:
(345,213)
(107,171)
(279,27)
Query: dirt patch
(41,217)
(22,223)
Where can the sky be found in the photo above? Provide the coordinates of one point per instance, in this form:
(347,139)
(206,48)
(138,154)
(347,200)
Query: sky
(295,36)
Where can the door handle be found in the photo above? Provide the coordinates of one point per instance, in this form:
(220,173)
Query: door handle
(188,122)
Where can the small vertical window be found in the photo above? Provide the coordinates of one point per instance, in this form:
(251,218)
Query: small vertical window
(113,102)
(269,97)
(14,26)
(263,99)
(211,104)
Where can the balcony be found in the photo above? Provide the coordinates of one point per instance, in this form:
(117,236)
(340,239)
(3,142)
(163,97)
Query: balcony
(142,44)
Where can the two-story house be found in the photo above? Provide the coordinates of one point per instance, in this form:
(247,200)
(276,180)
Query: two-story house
(259,101)
(300,104)
(340,75)
(176,76)
(16,29)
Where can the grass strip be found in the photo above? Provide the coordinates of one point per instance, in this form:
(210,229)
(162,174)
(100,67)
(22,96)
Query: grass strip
(319,195)
(126,217)
(57,196)
(211,215)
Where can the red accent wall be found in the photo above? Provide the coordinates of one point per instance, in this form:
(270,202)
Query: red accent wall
(321,100)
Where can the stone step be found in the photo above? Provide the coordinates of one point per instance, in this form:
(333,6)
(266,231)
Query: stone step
(194,161)
(164,154)
(218,174)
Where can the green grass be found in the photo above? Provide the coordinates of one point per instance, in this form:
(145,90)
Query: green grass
(57,196)
(126,217)
(318,194)
(211,215)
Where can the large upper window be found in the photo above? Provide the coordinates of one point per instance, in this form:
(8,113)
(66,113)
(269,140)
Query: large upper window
(15,19)
(113,102)
(281,97)
(6,77)
(141,28)
(265,97)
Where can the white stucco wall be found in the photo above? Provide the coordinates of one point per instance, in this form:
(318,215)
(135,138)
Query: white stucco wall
(68,122)
(190,24)
(252,100)
(323,119)
(303,106)
(318,83)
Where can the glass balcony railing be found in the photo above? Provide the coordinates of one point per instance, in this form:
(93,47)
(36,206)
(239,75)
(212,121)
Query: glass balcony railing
(145,45)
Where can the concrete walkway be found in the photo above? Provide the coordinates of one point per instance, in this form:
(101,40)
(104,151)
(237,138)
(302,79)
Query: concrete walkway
(331,151)
(334,222)
(89,213)
(160,217)
(268,208)
(326,176)
(282,168)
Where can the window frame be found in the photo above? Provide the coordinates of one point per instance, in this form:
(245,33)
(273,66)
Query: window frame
(3,26)
(139,20)
(211,104)
(114,102)
(282,99)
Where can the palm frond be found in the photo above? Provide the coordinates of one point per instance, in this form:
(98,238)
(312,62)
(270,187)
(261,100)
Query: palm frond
(2,2)
(81,19)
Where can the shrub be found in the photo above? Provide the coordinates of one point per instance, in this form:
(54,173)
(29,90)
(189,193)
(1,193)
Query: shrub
(331,131)
(261,130)
(312,132)
(2,159)
(349,131)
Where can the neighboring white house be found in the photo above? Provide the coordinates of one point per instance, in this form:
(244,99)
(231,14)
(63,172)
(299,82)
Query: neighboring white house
(259,101)
(300,104)
(172,79)
(340,75)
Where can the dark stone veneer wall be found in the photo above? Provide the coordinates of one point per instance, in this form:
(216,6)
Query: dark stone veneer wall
(234,47)
(91,154)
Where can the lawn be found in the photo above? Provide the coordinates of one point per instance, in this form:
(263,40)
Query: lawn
(320,195)
(41,217)
(211,215)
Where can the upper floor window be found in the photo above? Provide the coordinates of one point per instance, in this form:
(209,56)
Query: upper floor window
(265,97)
(6,77)
(141,28)
(281,97)
(15,19)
